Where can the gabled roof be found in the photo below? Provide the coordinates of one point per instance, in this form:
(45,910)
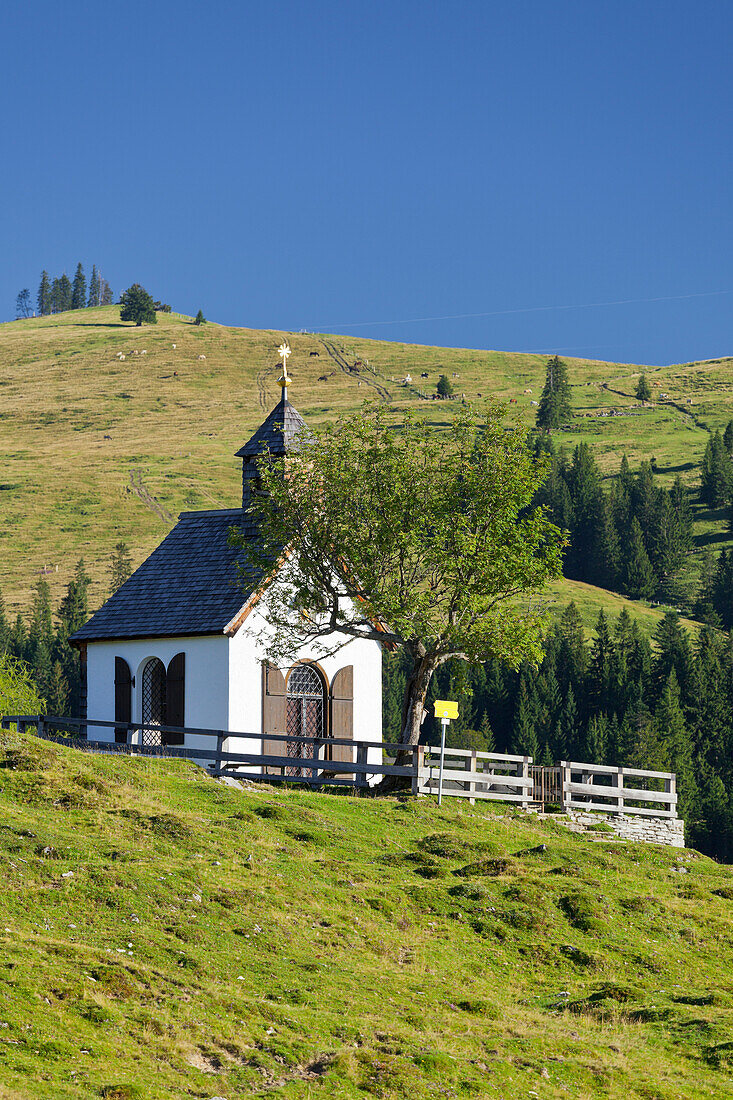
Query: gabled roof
(277,433)
(188,585)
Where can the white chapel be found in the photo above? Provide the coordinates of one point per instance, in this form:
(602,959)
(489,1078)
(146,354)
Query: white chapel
(182,644)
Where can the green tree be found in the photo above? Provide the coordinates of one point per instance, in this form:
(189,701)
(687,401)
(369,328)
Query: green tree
(65,294)
(43,298)
(716,474)
(199,318)
(417,538)
(444,388)
(728,437)
(94,295)
(120,568)
(79,289)
(674,735)
(105,294)
(554,408)
(643,389)
(23,306)
(137,306)
(18,694)
(637,572)
(524,732)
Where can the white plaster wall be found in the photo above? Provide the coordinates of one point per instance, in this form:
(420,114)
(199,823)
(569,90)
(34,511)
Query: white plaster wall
(247,652)
(206,699)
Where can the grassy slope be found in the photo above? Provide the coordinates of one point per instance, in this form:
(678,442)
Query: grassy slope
(94,450)
(165,936)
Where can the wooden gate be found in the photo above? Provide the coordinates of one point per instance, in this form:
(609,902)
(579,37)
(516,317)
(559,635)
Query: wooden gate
(547,785)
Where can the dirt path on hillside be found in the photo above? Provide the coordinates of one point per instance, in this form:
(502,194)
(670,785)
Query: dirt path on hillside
(138,488)
(684,409)
(346,368)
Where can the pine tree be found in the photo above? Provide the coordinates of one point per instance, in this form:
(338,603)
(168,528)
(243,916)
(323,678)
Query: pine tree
(444,388)
(43,299)
(569,726)
(487,734)
(137,306)
(637,573)
(94,290)
(555,407)
(106,296)
(79,289)
(704,606)
(201,320)
(668,544)
(601,666)
(728,437)
(65,294)
(673,731)
(643,389)
(716,474)
(41,625)
(120,566)
(524,735)
(596,739)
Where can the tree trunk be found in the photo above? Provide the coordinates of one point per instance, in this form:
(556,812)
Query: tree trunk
(413,708)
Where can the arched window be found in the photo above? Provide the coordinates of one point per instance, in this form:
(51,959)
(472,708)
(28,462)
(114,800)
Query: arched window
(153,700)
(305,712)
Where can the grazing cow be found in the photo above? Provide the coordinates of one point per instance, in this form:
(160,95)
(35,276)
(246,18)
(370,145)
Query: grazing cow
(535,403)
(121,357)
(323,378)
(527,391)
(512,400)
(202,356)
(312,353)
(173,345)
(143,353)
(424,374)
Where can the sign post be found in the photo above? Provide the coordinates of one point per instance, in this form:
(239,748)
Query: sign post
(445,709)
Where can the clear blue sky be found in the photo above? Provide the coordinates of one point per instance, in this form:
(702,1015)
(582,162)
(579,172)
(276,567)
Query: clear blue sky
(331,165)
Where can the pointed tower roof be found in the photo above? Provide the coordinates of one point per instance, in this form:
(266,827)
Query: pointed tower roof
(277,433)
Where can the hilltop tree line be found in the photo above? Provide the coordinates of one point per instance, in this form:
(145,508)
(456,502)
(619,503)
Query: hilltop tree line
(61,294)
(612,700)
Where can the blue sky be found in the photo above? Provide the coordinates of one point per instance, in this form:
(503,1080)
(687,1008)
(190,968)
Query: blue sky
(377,169)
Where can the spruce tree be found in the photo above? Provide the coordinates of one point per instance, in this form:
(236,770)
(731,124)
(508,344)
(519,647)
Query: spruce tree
(201,320)
(105,294)
(137,306)
(555,407)
(43,298)
(728,437)
(65,294)
(596,739)
(569,726)
(55,297)
(444,388)
(94,291)
(120,566)
(637,573)
(5,631)
(716,473)
(673,731)
(643,389)
(23,304)
(524,734)
(79,289)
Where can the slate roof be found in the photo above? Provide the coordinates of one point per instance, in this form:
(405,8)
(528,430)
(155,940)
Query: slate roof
(188,585)
(277,433)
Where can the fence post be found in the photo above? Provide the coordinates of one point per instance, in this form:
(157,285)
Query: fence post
(418,758)
(566,773)
(620,787)
(670,787)
(219,747)
(361,758)
(525,775)
(40,726)
(472,763)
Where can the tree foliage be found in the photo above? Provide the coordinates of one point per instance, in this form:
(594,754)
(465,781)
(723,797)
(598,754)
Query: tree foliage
(138,306)
(420,539)
(643,390)
(444,387)
(555,407)
(23,306)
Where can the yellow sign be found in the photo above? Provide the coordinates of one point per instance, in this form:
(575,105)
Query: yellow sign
(446,708)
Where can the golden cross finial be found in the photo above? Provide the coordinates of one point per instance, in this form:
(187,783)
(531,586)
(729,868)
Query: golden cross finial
(284,351)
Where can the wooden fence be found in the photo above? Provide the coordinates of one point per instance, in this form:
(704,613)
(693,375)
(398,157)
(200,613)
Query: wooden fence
(471,774)
(598,787)
(466,772)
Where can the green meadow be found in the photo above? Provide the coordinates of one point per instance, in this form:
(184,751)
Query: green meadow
(166,936)
(96,449)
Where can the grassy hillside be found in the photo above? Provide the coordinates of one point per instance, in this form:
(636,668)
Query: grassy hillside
(165,936)
(95,449)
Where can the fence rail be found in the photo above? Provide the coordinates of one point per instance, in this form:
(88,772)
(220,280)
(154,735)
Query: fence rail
(466,772)
(597,787)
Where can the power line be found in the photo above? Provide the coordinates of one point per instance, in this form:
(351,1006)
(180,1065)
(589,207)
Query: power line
(525,309)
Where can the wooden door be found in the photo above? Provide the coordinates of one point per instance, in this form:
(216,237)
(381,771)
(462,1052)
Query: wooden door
(175,698)
(274,715)
(123,698)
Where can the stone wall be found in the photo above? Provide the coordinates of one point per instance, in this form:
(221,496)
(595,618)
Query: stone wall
(648,830)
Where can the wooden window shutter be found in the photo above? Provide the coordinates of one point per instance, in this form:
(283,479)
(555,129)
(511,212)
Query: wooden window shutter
(274,712)
(175,693)
(123,698)
(342,712)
